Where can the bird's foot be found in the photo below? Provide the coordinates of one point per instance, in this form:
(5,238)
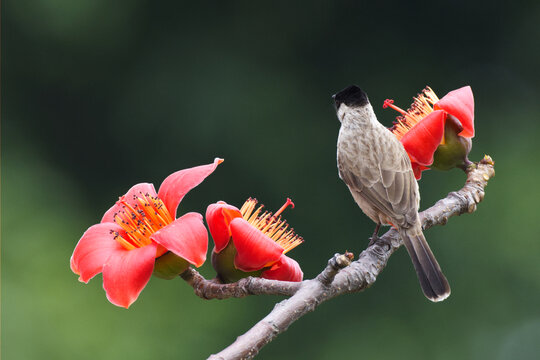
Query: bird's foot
(375,235)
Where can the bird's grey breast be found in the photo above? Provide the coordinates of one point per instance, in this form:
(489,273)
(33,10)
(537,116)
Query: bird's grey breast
(358,150)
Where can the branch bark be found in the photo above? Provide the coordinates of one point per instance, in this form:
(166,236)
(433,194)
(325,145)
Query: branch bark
(339,277)
(212,289)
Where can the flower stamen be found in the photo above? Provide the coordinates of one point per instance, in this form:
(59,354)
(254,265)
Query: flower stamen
(141,220)
(248,207)
(421,107)
(271,225)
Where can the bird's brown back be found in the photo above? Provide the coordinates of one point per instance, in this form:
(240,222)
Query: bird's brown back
(376,168)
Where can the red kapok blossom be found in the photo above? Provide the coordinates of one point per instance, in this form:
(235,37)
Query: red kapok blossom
(259,242)
(436,133)
(139,228)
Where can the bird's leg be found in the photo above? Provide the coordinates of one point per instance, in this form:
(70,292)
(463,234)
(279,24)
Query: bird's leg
(375,235)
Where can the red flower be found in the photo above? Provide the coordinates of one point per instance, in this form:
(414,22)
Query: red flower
(259,242)
(139,228)
(436,133)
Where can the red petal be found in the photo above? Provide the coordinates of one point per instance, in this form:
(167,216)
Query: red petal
(127,272)
(460,103)
(218,218)
(254,249)
(423,139)
(93,250)
(136,190)
(417,170)
(186,237)
(286,269)
(177,185)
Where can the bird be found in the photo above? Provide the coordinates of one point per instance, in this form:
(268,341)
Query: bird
(377,170)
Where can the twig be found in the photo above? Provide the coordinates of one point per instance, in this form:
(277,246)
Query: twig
(332,282)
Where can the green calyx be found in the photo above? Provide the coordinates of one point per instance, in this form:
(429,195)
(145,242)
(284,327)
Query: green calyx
(169,265)
(455,150)
(223,263)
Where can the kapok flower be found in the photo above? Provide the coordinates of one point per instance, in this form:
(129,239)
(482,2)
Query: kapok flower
(249,242)
(139,232)
(436,133)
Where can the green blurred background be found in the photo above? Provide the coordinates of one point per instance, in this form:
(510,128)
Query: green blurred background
(99,95)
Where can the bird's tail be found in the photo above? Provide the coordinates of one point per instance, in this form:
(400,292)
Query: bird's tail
(432,280)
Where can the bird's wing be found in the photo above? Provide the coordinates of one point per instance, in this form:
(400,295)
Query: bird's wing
(387,184)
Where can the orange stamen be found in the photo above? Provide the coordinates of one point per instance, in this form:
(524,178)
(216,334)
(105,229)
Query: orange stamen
(271,225)
(421,107)
(141,220)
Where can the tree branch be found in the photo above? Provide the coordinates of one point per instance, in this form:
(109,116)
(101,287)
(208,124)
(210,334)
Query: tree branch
(212,289)
(332,282)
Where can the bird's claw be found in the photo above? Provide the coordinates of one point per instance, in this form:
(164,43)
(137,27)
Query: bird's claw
(373,240)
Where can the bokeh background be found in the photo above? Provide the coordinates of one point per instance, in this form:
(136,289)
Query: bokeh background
(99,95)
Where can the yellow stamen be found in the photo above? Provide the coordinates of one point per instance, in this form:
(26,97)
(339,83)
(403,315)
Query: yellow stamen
(147,215)
(421,107)
(271,225)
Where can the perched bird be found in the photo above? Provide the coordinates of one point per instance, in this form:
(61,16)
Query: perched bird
(377,171)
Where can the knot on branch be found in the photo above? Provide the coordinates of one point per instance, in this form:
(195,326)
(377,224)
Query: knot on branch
(335,264)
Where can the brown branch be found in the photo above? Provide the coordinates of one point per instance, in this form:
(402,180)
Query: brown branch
(212,289)
(332,282)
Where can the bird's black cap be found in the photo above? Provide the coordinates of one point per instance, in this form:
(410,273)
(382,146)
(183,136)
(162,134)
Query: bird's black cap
(351,96)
